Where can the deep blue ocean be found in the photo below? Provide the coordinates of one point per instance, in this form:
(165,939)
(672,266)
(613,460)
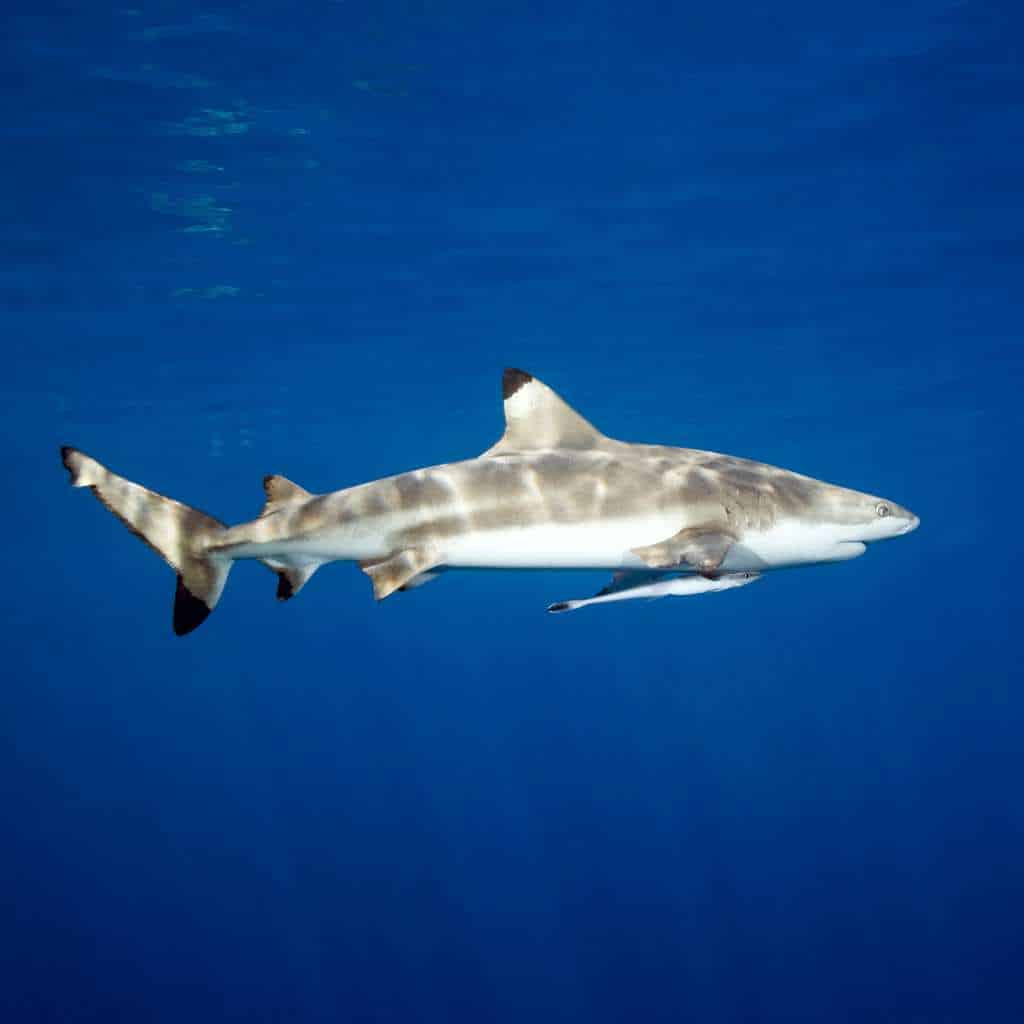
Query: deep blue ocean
(306,239)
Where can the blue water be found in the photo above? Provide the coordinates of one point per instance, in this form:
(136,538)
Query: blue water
(306,239)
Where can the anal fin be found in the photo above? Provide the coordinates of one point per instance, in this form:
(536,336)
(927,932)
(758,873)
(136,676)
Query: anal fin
(292,579)
(398,570)
(702,548)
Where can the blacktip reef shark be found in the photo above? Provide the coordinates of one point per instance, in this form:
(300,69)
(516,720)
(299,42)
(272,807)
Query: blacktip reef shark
(553,493)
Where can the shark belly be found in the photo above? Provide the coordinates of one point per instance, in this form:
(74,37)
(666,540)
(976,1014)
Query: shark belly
(788,544)
(585,545)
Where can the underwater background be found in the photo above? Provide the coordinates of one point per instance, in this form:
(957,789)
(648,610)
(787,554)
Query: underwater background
(306,239)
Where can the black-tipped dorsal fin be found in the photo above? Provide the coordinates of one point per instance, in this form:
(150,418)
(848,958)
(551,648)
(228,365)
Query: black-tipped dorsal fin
(281,491)
(537,419)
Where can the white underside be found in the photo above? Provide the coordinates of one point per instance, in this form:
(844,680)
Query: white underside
(586,546)
(791,543)
(608,546)
(602,545)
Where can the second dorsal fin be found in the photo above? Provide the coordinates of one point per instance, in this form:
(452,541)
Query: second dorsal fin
(281,491)
(538,419)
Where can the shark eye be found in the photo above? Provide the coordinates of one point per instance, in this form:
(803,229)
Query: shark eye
(882,509)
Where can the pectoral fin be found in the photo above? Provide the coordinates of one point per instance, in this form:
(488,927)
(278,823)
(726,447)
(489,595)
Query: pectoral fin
(702,548)
(397,570)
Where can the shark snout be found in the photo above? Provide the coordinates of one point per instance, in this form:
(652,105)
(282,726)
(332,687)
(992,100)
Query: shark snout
(902,520)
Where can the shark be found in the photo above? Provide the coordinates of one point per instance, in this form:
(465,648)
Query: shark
(552,493)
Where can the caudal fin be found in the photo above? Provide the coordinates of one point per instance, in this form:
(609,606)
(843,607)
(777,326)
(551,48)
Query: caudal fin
(181,535)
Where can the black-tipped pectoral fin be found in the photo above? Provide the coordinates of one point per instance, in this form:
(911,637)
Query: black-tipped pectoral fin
(700,548)
(398,570)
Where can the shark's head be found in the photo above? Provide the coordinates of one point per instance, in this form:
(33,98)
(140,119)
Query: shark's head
(857,519)
(820,522)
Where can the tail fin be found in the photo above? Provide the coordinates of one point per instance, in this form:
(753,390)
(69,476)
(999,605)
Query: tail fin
(179,534)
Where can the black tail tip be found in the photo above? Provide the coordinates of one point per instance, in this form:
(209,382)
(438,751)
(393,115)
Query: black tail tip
(559,606)
(189,612)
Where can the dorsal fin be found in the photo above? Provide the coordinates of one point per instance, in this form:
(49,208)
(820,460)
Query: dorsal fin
(281,491)
(538,419)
